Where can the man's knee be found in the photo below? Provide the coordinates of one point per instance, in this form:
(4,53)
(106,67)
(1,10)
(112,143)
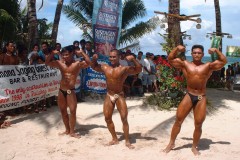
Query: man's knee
(108,120)
(178,122)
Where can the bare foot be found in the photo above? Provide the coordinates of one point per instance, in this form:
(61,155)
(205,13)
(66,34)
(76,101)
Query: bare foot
(5,124)
(169,148)
(195,151)
(130,146)
(113,142)
(75,135)
(63,133)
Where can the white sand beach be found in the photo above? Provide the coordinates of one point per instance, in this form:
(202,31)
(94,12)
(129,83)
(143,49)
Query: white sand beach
(35,136)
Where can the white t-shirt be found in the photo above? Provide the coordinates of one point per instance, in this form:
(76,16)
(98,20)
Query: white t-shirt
(147,65)
(123,62)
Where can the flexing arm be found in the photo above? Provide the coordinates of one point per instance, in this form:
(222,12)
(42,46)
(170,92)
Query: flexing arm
(50,60)
(176,62)
(137,68)
(220,62)
(86,63)
(94,64)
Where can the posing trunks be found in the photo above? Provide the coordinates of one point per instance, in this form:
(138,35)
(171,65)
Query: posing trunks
(194,98)
(114,97)
(67,92)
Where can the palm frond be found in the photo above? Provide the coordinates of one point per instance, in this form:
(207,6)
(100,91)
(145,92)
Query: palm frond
(138,31)
(85,6)
(74,15)
(132,10)
(135,46)
(87,36)
(5,16)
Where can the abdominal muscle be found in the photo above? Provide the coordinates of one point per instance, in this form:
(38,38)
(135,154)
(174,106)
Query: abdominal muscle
(68,81)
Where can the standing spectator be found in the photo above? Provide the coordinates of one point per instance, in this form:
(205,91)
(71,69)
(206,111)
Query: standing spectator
(141,61)
(136,86)
(152,76)
(33,55)
(222,74)
(44,51)
(76,43)
(88,49)
(146,72)
(82,44)
(8,57)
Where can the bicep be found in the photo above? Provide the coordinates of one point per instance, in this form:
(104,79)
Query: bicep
(132,70)
(216,65)
(98,68)
(177,63)
(54,64)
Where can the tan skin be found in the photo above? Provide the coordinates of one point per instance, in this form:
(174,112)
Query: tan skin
(70,70)
(115,77)
(9,58)
(196,74)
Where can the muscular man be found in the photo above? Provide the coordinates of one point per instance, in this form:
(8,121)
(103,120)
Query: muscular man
(9,58)
(66,97)
(115,77)
(196,74)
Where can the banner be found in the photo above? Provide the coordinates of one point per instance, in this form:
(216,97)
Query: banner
(96,81)
(233,51)
(23,85)
(215,44)
(107,21)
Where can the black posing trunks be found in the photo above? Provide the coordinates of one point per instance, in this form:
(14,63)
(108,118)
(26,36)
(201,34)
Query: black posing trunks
(67,92)
(194,98)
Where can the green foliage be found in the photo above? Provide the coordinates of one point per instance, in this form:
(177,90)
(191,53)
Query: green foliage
(161,101)
(167,46)
(9,19)
(80,12)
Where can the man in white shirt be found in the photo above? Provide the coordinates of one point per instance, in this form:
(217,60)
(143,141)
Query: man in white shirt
(147,84)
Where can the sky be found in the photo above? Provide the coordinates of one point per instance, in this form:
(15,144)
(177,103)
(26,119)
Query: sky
(230,12)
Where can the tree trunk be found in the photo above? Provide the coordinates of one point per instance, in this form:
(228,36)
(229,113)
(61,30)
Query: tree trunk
(218,21)
(32,23)
(174,29)
(56,21)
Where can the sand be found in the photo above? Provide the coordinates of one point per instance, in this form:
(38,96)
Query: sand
(35,136)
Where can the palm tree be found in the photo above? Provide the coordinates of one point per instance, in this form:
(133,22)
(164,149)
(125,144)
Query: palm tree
(218,21)
(32,23)
(9,20)
(56,21)
(80,13)
(174,23)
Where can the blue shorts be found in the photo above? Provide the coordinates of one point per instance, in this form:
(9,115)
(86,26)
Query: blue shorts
(146,80)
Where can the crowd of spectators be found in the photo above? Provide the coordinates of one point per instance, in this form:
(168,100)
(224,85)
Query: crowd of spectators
(135,85)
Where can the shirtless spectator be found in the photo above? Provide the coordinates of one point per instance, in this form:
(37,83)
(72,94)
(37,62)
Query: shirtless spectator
(8,58)
(116,74)
(196,73)
(66,97)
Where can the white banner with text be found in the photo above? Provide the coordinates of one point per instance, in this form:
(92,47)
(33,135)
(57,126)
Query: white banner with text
(23,85)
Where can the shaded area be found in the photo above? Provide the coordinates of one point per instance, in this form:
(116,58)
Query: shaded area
(84,129)
(216,99)
(42,118)
(204,143)
(134,136)
(162,127)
